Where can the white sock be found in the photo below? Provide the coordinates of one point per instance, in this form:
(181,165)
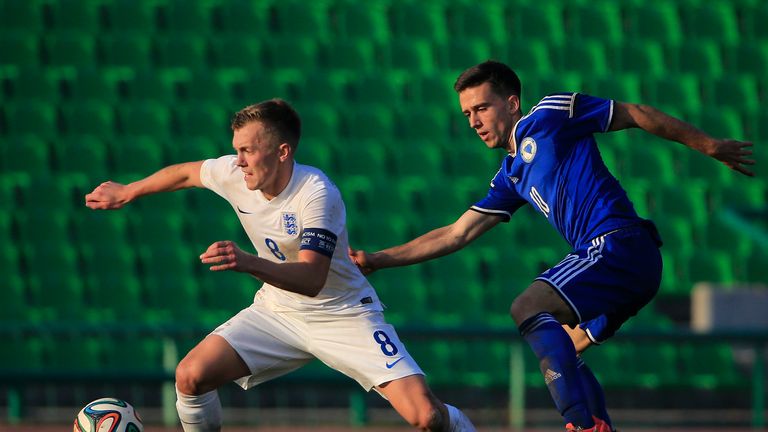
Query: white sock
(458,421)
(199,413)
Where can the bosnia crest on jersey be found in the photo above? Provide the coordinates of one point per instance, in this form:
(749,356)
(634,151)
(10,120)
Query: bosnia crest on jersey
(528,149)
(289,224)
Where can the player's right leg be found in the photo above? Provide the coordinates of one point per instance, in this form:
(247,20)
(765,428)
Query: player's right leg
(210,364)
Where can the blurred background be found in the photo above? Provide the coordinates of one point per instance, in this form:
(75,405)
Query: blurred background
(97,304)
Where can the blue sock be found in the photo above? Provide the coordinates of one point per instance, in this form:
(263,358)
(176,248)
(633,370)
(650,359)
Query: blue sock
(594,392)
(557,361)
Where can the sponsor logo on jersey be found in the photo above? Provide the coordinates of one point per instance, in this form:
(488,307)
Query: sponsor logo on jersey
(550,376)
(289,224)
(528,149)
(391,365)
(514,179)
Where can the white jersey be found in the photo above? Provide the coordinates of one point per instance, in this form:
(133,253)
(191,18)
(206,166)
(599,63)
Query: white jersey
(310,205)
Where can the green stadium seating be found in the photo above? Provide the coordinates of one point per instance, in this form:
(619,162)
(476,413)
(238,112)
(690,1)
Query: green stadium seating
(203,119)
(178,50)
(557,82)
(679,92)
(13,302)
(74,15)
(183,17)
(130,50)
(643,57)
(717,372)
(587,57)
(35,84)
(598,21)
(354,55)
(411,54)
(652,162)
(241,51)
(738,93)
(756,269)
(151,227)
(69,49)
(19,49)
(363,21)
(242,19)
(23,15)
(365,158)
(133,353)
(418,159)
(320,124)
(700,57)
(464,18)
(529,57)
(748,57)
(370,122)
(155,85)
(151,119)
(620,87)
(298,18)
(655,22)
(89,117)
(320,90)
(688,200)
(459,54)
(419,20)
(754,22)
(73,353)
(136,155)
(711,266)
(22,152)
(30,118)
(103,84)
(390,88)
(292,52)
(543,21)
(714,20)
(128,16)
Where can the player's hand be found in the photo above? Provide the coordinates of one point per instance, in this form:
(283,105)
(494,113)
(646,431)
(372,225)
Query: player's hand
(362,260)
(107,196)
(225,255)
(734,154)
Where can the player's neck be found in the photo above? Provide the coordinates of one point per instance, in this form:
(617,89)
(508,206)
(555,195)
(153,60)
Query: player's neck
(511,144)
(283,177)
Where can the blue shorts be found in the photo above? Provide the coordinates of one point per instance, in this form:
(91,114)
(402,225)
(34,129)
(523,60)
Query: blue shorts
(610,280)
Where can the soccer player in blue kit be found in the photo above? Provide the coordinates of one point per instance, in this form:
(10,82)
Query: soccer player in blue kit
(554,164)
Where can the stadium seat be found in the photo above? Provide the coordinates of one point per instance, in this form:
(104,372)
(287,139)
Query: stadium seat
(364,21)
(738,93)
(370,122)
(724,124)
(700,57)
(707,265)
(464,18)
(756,269)
(242,19)
(130,50)
(542,21)
(74,15)
(322,89)
(240,51)
(588,58)
(391,88)
(678,233)
(35,84)
(103,84)
(754,20)
(183,17)
(460,54)
(411,54)
(203,119)
(688,201)
(319,122)
(136,155)
(23,15)
(418,159)
(144,118)
(354,55)
(419,20)
(70,49)
(364,158)
(620,87)
(714,20)
(297,18)
(653,162)
(21,153)
(655,22)
(718,372)
(135,353)
(74,353)
(128,16)
(89,117)
(748,57)
(175,282)
(646,58)
(33,118)
(155,85)
(557,82)
(149,228)
(292,52)
(597,21)
(674,273)
(227,291)
(20,49)
(429,124)
(13,303)
(181,51)
(680,92)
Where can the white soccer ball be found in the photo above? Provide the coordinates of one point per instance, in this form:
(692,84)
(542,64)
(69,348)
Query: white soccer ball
(108,415)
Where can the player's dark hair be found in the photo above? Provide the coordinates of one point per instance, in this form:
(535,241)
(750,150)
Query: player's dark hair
(504,81)
(277,115)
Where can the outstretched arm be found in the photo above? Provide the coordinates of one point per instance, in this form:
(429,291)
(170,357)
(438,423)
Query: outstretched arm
(111,195)
(731,152)
(434,244)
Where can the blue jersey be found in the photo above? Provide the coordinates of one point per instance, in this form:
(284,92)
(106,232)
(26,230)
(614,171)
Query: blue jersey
(556,166)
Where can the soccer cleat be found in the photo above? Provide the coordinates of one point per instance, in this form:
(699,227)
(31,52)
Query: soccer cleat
(600,426)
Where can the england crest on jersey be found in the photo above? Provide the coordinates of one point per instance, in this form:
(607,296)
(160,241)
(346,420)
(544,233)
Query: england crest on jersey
(289,224)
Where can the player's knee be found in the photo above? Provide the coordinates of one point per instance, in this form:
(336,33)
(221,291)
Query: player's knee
(189,379)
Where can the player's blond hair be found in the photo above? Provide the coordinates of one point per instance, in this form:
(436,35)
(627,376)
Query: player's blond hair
(277,116)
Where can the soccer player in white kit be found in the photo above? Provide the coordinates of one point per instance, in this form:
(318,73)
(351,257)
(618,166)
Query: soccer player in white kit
(314,303)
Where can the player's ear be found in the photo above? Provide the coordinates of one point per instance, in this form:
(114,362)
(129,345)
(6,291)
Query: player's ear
(514,103)
(284,150)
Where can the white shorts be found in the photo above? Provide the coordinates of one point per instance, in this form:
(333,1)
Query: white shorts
(362,346)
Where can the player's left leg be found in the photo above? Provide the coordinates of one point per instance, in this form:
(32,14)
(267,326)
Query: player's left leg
(413,400)
(592,388)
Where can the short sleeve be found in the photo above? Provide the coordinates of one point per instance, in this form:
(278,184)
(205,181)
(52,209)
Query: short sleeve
(324,209)
(214,172)
(502,199)
(590,115)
